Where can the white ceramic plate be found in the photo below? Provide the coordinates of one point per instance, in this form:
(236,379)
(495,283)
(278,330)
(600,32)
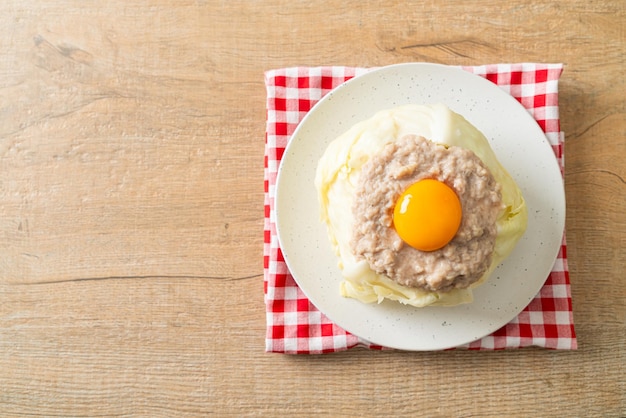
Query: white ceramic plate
(520,146)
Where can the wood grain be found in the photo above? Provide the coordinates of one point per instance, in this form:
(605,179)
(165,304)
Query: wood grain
(131,208)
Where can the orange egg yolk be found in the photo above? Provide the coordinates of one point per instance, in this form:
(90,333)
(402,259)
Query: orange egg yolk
(427,215)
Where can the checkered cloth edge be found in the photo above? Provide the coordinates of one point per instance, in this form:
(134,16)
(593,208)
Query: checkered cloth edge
(294,325)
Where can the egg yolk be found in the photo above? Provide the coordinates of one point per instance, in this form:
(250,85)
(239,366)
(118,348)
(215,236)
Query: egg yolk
(427,215)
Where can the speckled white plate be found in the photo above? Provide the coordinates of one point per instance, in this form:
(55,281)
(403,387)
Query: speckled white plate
(520,146)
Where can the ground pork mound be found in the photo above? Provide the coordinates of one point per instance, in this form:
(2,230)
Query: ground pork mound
(385,176)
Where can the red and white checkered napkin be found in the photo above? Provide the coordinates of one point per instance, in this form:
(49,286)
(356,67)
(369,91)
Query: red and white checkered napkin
(294,325)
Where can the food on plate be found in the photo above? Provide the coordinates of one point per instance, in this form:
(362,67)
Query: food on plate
(417,207)
(424,214)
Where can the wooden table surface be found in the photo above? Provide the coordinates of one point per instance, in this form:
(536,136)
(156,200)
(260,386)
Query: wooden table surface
(131,208)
